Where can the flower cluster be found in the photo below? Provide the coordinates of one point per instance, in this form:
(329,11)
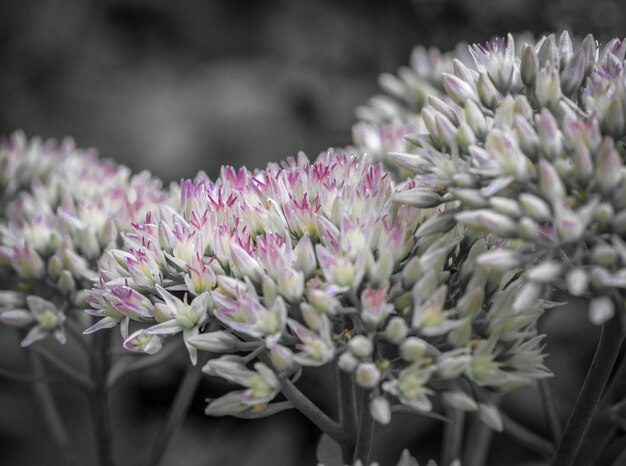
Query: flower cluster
(531,151)
(309,264)
(62,208)
(387,119)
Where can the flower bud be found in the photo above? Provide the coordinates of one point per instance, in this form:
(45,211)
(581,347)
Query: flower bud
(529,66)
(19,318)
(311,316)
(367,375)
(535,207)
(506,206)
(282,357)
(380,410)
(396,330)
(66,283)
(499,260)
(487,92)
(305,257)
(215,342)
(550,182)
(347,362)
(577,281)
(490,415)
(545,272)
(488,221)
(603,254)
(548,87)
(291,284)
(361,346)
(613,120)
(604,214)
(609,167)
(549,135)
(439,223)
(412,349)
(476,120)
(459,400)
(528,228)
(55,267)
(573,74)
(465,137)
(582,163)
(458,90)
(451,366)
(418,197)
(600,310)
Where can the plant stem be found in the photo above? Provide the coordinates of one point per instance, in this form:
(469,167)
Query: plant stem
(312,412)
(452,436)
(49,410)
(527,437)
(100,363)
(597,377)
(478,443)
(178,410)
(347,414)
(366,432)
(602,427)
(550,409)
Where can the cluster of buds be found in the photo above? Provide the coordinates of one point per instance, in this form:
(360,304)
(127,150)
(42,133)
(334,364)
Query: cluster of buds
(312,264)
(63,208)
(532,152)
(388,118)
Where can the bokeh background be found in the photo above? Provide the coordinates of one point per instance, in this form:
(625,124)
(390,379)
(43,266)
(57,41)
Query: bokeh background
(177,87)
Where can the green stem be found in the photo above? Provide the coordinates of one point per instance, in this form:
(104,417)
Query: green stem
(597,377)
(527,437)
(347,414)
(100,363)
(312,412)
(478,443)
(452,436)
(602,428)
(550,410)
(49,410)
(366,431)
(178,410)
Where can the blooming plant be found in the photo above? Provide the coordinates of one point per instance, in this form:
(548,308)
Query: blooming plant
(417,289)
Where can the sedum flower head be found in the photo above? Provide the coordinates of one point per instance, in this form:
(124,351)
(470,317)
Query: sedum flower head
(308,264)
(533,155)
(64,208)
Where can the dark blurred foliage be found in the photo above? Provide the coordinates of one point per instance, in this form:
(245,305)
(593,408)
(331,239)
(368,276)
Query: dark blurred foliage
(177,87)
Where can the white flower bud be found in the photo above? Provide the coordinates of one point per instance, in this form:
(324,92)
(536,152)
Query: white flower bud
(361,346)
(282,357)
(397,330)
(367,375)
(347,362)
(601,309)
(535,207)
(490,415)
(380,410)
(545,272)
(577,281)
(412,349)
(459,400)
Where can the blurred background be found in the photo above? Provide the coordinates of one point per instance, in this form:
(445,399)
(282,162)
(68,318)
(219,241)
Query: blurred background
(177,87)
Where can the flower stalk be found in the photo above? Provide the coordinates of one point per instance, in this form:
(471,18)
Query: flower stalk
(178,411)
(608,348)
(100,363)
